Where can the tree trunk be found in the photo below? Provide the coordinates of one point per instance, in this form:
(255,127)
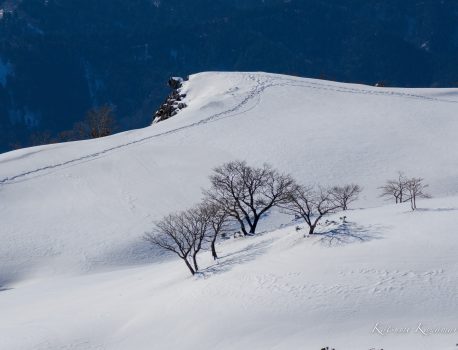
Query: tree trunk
(312,229)
(215,256)
(253,226)
(189,267)
(194,259)
(242,226)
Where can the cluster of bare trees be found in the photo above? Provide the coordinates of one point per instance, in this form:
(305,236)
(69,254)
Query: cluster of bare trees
(187,233)
(240,195)
(405,189)
(98,122)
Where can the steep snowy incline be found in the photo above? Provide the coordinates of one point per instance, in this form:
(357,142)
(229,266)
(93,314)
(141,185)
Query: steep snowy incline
(78,206)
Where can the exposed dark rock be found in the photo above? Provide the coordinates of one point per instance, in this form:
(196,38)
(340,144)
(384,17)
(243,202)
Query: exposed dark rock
(175,82)
(173,103)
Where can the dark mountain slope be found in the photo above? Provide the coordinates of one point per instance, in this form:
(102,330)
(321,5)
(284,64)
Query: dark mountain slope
(58,58)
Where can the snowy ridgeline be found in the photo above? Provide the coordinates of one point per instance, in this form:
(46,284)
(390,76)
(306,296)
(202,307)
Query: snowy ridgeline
(76,273)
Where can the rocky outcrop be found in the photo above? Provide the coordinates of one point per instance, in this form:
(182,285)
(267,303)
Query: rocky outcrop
(173,103)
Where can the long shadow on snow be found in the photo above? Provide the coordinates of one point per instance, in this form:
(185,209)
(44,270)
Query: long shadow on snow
(348,233)
(136,253)
(6,280)
(435,209)
(228,261)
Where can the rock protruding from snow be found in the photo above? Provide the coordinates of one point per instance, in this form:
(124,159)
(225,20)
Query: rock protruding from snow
(173,103)
(175,82)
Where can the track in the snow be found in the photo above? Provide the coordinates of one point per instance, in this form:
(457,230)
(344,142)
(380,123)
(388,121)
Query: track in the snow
(262,82)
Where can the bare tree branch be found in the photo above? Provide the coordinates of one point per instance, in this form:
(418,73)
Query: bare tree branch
(183,234)
(218,224)
(416,189)
(404,189)
(396,189)
(310,204)
(344,195)
(246,193)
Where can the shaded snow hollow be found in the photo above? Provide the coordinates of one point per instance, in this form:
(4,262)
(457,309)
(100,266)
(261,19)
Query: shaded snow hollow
(75,273)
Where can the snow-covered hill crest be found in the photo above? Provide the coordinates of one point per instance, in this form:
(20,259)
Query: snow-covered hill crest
(63,201)
(70,209)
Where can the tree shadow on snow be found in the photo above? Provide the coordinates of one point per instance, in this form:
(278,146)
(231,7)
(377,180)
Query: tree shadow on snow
(4,285)
(436,209)
(135,253)
(7,279)
(228,261)
(348,233)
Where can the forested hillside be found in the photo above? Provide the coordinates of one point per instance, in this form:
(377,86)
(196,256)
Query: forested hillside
(59,58)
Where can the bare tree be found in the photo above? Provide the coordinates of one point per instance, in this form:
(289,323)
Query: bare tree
(390,190)
(396,189)
(344,195)
(66,136)
(39,138)
(246,193)
(185,233)
(197,221)
(171,234)
(416,189)
(218,220)
(80,131)
(310,204)
(100,121)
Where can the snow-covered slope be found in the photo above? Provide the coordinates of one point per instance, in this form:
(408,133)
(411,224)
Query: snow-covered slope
(70,209)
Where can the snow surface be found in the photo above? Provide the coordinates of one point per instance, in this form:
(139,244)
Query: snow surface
(76,274)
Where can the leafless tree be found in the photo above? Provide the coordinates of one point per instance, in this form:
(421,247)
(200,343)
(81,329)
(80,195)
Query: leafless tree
(310,204)
(197,221)
(80,131)
(66,136)
(171,234)
(344,195)
(41,138)
(218,224)
(15,145)
(246,192)
(416,189)
(100,121)
(396,189)
(185,233)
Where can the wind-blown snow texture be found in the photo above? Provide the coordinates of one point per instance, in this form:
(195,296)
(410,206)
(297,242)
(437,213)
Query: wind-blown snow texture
(75,273)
